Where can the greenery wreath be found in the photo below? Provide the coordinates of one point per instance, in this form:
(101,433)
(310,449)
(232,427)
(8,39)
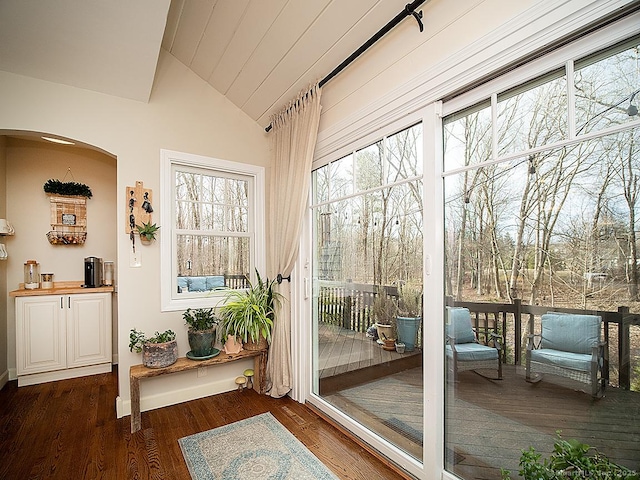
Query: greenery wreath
(67,188)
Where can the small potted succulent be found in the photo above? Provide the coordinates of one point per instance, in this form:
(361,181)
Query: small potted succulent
(158,351)
(147,232)
(202,324)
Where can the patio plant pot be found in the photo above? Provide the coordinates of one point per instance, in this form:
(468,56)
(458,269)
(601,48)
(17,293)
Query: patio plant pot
(408,331)
(159,355)
(385,331)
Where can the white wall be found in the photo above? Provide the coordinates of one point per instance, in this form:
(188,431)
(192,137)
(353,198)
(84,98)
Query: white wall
(462,41)
(183,114)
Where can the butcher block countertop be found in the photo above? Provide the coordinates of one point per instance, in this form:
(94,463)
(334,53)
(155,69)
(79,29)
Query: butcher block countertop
(59,288)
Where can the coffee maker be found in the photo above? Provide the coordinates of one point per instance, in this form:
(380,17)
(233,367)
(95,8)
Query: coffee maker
(92,272)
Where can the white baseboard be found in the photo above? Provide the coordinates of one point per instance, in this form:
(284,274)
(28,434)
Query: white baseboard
(13,373)
(151,402)
(36,378)
(114,359)
(4,378)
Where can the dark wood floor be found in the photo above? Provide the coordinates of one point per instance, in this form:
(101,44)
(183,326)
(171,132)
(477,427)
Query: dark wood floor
(68,430)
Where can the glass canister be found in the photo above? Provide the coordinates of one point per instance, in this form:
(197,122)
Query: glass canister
(31,275)
(108,274)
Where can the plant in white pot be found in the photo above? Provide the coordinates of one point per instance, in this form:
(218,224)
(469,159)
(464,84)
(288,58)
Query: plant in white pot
(249,314)
(385,309)
(160,350)
(202,324)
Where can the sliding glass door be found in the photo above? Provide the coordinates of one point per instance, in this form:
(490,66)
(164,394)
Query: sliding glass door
(367,296)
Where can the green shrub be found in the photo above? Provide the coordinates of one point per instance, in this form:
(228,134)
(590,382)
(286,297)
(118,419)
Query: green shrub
(570,459)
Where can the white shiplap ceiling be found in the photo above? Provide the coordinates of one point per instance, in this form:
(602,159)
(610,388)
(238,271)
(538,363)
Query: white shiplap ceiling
(258,53)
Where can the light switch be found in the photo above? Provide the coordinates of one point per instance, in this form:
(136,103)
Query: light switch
(135,259)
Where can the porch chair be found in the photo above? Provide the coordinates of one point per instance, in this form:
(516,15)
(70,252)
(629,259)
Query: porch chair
(569,346)
(463,350)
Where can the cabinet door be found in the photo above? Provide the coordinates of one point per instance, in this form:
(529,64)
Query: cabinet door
(88,329)
(40,334)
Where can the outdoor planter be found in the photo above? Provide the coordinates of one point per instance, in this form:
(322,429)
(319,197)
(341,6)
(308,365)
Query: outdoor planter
(408,331)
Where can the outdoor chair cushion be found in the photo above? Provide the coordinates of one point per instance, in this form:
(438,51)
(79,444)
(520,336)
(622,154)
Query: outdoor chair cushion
(459,325)
(573,361)
(473,352)
(202,283)
(570,333)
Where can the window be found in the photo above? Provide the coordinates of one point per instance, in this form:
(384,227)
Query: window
(367,211)
(215,219)
(541,190)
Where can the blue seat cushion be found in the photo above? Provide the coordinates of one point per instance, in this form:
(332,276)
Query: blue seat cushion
(182,283)
(197,284)
(459,325)
(570,333)
(570,360)
(473,352)
(215,281)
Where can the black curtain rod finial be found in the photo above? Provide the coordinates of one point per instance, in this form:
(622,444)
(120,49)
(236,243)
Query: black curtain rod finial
(409,9)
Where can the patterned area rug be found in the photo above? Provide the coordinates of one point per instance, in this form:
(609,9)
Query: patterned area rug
(253,449)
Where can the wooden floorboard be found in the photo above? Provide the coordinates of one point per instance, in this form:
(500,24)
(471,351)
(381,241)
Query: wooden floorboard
(68,430)
(489,422)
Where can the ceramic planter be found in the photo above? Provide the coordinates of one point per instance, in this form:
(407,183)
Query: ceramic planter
(159,355)
(201,342)
(232,345)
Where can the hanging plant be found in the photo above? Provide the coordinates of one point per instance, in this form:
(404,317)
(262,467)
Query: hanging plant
(67,188)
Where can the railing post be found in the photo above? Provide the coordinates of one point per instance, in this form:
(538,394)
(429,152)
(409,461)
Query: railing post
(346,313)
(517,331)
(624,356)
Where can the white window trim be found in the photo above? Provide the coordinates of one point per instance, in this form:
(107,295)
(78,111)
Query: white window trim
(168,159)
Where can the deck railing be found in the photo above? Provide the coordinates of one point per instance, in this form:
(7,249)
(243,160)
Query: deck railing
(350,306)
(508,318)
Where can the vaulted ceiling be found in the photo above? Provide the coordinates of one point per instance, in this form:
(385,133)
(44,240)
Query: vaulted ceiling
(258,53)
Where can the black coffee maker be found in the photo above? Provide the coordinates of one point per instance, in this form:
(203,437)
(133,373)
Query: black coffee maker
(92,272)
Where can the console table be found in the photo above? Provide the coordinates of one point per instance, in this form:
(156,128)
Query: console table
(138,372)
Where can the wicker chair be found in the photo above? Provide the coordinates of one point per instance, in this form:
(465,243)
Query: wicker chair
(569,346)
(463,350)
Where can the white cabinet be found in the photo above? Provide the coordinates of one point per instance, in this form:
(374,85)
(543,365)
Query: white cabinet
(62,336)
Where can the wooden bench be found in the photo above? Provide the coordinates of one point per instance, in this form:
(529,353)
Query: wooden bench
(138,372)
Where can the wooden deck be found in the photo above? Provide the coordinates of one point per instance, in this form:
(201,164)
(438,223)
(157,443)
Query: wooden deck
(341,350)
(489,423)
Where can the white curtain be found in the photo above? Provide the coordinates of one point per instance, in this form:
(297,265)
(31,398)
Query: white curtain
(293,140)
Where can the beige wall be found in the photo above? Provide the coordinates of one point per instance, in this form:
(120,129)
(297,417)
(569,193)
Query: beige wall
(183,114)
(29,165)
(4,374)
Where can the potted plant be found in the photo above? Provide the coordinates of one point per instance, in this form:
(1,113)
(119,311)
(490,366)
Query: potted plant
(202,332)
(409,316)
(158,351)
(249,314)
(385,309)
(147,232)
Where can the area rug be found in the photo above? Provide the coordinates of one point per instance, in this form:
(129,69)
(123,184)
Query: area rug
(252,449)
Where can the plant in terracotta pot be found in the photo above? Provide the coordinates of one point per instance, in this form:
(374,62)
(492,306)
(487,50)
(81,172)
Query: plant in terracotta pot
(249,314)
(160,350)
(147,232)
(202,324)
(384,311)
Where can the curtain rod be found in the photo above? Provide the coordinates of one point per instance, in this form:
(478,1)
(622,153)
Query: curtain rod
(409,10)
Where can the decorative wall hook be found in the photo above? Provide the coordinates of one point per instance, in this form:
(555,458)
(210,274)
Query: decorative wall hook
(280,278)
